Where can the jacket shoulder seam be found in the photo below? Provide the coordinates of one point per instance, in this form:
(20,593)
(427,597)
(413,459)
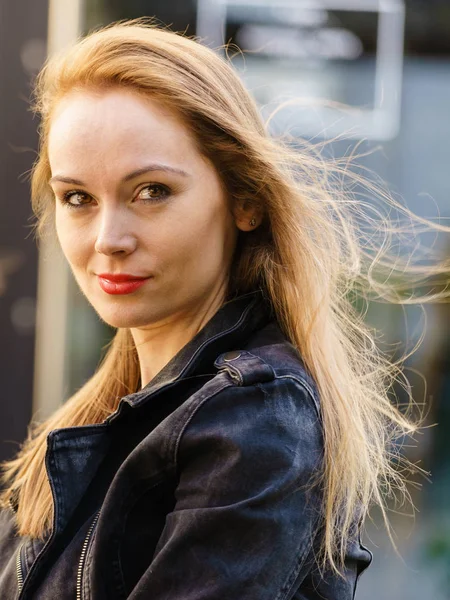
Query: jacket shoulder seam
(308,389)
(227,384)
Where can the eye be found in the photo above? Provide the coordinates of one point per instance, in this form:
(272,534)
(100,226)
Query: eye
(76,198)
(153,193)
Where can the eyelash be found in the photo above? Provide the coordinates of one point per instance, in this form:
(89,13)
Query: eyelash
(166,192)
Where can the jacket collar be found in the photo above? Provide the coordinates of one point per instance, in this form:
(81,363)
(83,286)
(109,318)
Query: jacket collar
(229,329)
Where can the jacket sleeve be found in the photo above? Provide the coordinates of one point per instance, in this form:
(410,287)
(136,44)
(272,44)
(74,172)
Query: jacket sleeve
(245,514)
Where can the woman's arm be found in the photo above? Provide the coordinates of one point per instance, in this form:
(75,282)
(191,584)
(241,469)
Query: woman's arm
(245,518)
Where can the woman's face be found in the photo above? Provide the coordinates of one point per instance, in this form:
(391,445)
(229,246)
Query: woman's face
(141,215)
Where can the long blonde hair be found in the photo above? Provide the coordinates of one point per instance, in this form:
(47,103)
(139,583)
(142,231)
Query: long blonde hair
(308,255)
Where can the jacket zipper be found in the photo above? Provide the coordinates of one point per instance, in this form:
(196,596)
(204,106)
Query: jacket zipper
(19,570)
(21,580)
(83,555)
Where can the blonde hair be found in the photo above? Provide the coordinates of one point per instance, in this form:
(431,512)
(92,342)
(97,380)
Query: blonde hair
(308,256)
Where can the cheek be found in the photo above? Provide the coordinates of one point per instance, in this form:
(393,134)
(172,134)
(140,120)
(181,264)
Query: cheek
(211,239)
(73,243)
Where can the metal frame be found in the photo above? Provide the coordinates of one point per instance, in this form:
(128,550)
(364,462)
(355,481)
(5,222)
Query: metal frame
(383,120)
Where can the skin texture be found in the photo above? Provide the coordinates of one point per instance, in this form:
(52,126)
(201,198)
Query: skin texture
(180,229)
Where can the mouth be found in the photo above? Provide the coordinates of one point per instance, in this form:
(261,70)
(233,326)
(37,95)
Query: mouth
(121,283)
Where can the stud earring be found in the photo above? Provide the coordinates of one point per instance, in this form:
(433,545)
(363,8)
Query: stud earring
(252,222)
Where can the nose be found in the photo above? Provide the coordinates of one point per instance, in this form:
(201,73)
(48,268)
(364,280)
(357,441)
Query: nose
(114,235)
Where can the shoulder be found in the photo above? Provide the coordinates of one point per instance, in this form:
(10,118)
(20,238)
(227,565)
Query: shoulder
(269,360)
(265,408)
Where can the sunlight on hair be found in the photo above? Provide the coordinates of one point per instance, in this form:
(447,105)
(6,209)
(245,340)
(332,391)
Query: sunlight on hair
(323,249)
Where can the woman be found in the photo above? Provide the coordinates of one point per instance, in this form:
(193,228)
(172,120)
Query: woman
(236,432)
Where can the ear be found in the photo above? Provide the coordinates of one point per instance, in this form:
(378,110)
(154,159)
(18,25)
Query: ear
(246,215)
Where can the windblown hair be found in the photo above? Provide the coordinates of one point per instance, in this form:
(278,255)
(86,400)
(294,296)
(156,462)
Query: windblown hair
(310,256)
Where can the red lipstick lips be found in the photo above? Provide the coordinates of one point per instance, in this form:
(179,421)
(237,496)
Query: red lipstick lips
(120,283)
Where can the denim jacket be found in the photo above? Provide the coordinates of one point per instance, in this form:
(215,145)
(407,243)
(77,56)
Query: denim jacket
(196,488)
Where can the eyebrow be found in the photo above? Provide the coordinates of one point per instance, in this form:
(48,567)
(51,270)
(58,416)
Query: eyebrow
(129,176)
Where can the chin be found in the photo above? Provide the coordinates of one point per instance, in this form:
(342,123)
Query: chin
(122,317)
(125,321)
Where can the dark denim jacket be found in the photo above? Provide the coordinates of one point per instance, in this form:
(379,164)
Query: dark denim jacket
(196,488)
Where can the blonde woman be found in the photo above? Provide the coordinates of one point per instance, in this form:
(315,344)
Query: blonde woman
(230,443)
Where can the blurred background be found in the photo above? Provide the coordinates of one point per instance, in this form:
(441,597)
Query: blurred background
(389,63)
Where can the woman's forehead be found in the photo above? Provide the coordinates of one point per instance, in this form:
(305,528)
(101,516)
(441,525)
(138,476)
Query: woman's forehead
(118,126)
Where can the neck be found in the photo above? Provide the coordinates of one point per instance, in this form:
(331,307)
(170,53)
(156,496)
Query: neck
(158,343)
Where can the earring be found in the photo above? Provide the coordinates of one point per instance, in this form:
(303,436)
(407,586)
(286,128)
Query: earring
(252,222)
